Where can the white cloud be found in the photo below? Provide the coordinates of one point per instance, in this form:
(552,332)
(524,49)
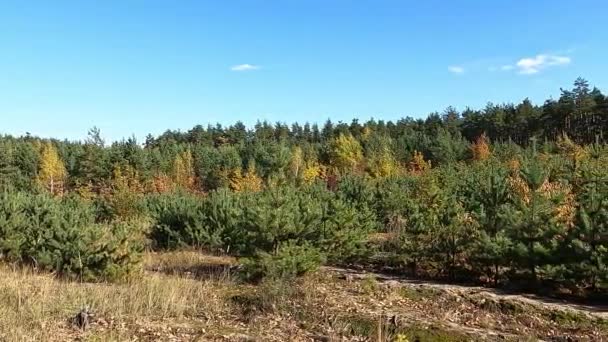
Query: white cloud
(456,69)
(245,67)
(533,65)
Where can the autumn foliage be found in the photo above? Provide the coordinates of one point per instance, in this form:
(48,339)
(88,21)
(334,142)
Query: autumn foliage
(52,173)
(480,149)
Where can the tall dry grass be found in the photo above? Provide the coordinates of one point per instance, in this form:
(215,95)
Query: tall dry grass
(36,307)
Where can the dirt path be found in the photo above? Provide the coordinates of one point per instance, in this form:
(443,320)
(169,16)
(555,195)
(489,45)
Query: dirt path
(598,311)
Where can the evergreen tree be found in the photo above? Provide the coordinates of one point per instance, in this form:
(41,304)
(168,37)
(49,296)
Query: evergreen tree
(488,195)
(8,171)
(534,228)
(588,238)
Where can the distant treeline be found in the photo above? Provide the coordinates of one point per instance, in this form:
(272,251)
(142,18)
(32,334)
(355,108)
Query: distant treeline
(212,155)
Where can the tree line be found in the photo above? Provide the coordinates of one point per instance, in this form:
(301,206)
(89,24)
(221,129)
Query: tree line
(205,159)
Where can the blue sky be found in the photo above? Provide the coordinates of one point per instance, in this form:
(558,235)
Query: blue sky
(138,67)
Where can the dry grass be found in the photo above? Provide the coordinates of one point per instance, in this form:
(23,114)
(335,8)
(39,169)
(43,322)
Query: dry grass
(191,264)
(38,307)
(185,259)
(179,298)
(171,302)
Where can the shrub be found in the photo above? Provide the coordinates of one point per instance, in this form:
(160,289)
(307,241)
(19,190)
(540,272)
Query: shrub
(62,236)
(223,211)
(182,220)
(345,230)
(275,216)
(177,221)
(290,261)
(312,215)
(356,190)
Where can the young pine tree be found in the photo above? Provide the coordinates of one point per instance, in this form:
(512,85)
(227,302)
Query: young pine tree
(535,230)
(489,194)
(588,240)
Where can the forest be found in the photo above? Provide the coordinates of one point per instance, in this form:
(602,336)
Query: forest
(508,195)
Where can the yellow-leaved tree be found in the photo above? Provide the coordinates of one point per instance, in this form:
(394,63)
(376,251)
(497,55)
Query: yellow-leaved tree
(312,172)
(366,133)
(126,190)
(382,163)
(249,181)
(52,172)
(296,164)
(347,153)
(574,152)
(183,171)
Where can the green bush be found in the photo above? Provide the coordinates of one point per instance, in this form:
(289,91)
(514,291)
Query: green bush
(223,215)
(175,220)
(290,260)
(62,236)
(344,230)
(212,222)
(393,202)
(275,216)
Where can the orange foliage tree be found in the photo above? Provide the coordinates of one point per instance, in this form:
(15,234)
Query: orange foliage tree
(480,149)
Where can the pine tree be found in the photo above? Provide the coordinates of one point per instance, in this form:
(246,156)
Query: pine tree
(454,231)
(62,236)
(275,216)
(588,237)
(93,169)
(489,196)
(344,229)
(535,230)
(439,232)
(416,240)
(8,171)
